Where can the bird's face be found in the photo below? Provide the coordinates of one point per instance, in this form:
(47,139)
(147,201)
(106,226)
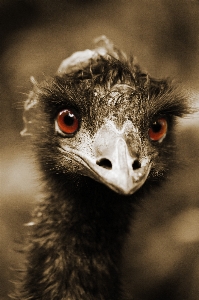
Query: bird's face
(109,135)
(108,142)
(109,122)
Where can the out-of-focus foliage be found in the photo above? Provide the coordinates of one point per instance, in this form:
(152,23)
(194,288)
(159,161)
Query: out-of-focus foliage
(163,248)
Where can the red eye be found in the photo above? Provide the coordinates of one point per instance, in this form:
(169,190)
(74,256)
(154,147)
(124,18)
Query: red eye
(158,130)
(67,121)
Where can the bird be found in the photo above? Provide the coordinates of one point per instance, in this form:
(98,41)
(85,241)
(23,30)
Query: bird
(103,135)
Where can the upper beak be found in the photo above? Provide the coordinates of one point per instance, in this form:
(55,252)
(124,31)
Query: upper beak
(118,169)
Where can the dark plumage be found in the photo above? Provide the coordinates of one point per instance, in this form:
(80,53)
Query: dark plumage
(121,125)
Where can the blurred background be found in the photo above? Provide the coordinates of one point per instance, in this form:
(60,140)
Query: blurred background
(161,257)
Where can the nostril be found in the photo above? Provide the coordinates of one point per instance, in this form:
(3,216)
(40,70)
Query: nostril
(105,163)
(136,164)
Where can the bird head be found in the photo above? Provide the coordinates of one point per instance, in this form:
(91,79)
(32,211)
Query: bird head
(101,117)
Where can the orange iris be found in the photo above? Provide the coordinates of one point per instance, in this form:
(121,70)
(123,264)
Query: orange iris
(67,121)
(158,129)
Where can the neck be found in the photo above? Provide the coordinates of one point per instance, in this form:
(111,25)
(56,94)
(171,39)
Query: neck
(77,242)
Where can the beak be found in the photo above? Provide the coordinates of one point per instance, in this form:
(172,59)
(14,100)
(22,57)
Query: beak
(114,161)
(118,169)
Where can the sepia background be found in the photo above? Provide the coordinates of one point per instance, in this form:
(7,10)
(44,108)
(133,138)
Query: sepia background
(161,256)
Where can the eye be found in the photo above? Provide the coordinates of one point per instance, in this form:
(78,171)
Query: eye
(67,121)
(158,130)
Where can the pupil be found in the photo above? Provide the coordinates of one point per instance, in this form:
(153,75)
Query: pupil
(69,120)
(156,127)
